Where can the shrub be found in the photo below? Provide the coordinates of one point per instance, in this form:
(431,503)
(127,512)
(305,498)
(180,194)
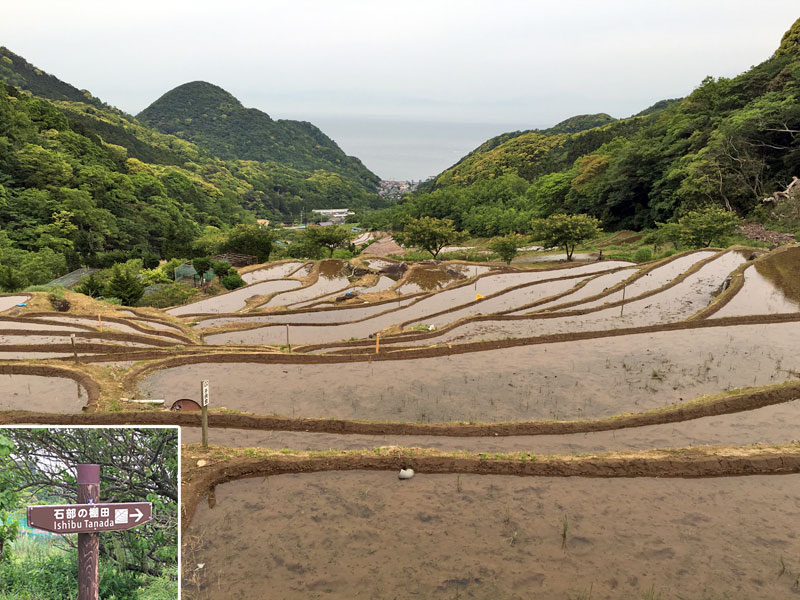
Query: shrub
(643,254)
(221,268)
(91,286)
(150,261)
(232,281)
(168,295)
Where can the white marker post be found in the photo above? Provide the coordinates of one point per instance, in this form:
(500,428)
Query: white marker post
(204,412)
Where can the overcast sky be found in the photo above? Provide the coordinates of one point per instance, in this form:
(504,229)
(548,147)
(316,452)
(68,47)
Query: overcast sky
(518,63)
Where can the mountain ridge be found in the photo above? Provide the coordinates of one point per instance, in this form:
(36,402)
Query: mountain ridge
(213,118)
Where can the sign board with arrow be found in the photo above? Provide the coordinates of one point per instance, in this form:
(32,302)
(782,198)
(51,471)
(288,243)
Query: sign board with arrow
(89,518)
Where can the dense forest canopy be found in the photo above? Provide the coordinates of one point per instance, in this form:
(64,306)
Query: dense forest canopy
(730,143)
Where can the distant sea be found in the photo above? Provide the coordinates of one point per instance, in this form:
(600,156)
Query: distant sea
(408,150)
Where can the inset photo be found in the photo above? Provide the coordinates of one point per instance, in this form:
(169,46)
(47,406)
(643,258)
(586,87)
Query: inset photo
(89,512)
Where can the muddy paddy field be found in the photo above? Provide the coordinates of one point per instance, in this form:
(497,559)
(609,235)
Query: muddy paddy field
(580,379)
(591,430)
(366,534)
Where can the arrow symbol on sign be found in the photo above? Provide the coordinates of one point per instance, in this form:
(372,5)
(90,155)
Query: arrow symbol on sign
(139,514)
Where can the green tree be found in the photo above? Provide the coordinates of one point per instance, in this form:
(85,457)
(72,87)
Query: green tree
(664,233)
(137,465)
(125,286)
(91,286)
(566,231)
(201,265)
(506,246)
(429,233)
(11,280)
(701,227)
(251,239)
(331,237)
(9,496)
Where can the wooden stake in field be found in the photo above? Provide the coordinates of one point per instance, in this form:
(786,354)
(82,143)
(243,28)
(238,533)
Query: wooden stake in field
(288,344)
(377,343)
(622,306)
(100,323)
(74,348)
(204,394)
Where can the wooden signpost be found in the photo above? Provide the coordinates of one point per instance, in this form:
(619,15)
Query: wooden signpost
(204,394)
(87,518)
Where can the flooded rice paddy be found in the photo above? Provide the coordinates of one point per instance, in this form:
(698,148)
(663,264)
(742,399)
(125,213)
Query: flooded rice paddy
(359,534)
(672,304)
(342,314)
(235,300)
(42,394)
(9,302)
(771,286)
(363,534)
(429,278)
(566,380)
(594,286)
(507,300)
(658,277)
(81,337)
(381,284)
(279,271)
(775,424)
(333,277)
(31,326)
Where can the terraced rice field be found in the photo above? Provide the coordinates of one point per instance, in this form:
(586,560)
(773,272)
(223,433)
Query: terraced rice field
(41,393)
(353,534)
(592,382)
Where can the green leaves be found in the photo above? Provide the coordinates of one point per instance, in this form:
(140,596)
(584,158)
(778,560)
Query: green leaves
(330,237)
(251,239)
(428,234)
(507,246)
(125,286)
(701,227)
(566,231)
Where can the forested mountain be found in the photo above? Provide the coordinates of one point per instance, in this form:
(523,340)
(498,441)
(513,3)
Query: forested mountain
(212,118)
(20,73)
(83,183)
(731,142)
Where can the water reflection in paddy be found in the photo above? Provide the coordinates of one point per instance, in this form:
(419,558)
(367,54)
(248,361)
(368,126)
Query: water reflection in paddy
(41,394)
(565,380)
(235,300)
(771,286)
(769,425)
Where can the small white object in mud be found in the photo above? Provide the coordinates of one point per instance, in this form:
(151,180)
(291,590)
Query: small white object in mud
(406,473)
(202,463)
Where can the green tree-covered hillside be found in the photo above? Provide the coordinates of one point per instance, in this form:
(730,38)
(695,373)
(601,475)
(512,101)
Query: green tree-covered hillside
(730,143)
(20,73)
(212,118)
(83,183)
